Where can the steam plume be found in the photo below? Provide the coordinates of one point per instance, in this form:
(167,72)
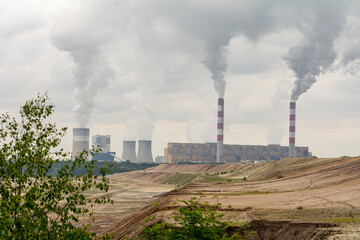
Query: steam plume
(83,39)
(215,61)
(91,73)
(316,53)
(139,123)
(276,126)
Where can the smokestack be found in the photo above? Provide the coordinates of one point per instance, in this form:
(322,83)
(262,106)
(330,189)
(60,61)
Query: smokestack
(220,130)
(129,151)
(292,130)
(144,152)
(80,140)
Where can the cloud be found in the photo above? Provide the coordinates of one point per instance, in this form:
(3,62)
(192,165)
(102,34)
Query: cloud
(146,58)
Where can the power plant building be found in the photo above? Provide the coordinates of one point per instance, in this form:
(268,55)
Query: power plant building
(102,142)
(206,153)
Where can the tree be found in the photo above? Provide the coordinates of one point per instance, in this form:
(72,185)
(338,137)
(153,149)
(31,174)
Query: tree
(33,203)
(194,220)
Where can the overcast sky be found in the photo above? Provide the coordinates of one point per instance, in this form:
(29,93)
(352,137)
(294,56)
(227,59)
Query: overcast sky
(153,69)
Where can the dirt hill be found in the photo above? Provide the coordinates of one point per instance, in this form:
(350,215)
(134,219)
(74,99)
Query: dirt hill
(287,199)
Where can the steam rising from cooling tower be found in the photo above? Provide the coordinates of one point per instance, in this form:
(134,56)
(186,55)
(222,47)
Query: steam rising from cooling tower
(80,140)
(129,151)
(316,53)
(144,152)
(83,40)
(139,124)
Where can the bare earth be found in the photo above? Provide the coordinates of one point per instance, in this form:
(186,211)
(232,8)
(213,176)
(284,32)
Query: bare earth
(288,199)
(128,196)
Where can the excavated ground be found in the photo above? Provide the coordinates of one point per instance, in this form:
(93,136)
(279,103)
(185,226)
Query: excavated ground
(287,199)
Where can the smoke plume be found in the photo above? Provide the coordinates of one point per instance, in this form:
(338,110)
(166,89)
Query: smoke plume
(215,61)
(139,122)
(351,55)
(277,125)
(83,38)
(315,54)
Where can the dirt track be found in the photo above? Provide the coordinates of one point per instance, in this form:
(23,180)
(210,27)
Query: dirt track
(322,191)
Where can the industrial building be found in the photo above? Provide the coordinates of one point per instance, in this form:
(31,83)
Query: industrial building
(206,153)
(102,142)
(160,159)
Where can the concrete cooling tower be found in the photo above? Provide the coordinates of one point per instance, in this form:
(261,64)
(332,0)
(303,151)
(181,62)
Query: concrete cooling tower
(129,151)
(144,152)
(292,152)
(80,140)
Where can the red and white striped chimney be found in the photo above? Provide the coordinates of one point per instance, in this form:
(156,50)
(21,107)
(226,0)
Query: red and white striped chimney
(220,131)
(292,130)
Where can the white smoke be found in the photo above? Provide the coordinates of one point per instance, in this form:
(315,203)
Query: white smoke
(91,73)
(83,38)
(315,54)
(351,55)
(215,61)
(214,23)
(201,129)
(139,120)
(277,125)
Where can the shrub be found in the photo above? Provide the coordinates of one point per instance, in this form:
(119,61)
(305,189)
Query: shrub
(33,203)
(195,220)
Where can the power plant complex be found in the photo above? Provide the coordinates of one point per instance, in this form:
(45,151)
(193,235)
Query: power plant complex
(206,153)
(219,153)
(211,152)
(102,143)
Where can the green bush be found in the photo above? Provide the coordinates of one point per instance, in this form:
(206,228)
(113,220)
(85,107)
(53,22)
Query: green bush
(33,203)
(196,220)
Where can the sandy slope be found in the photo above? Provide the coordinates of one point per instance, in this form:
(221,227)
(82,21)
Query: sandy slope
(327,190)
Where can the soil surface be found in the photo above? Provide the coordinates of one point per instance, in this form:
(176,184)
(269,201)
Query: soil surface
(287,199)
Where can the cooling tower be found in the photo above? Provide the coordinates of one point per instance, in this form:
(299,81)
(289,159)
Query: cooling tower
(80,140)
(129,151)
(144,152)
(220,131)
(292,130)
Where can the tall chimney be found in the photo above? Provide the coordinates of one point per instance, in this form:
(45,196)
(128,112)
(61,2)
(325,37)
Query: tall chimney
(144,152)
(292,130)
(80,140)
(129,151)
(220,131)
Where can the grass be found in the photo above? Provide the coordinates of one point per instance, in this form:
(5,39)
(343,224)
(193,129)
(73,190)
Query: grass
(343,220)
(217,179)
(300,208)
(178,179)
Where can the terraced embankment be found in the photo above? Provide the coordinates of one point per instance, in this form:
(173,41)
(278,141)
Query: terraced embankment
(287,199)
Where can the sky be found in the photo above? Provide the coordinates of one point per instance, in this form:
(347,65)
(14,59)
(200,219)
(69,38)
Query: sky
(154,69)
